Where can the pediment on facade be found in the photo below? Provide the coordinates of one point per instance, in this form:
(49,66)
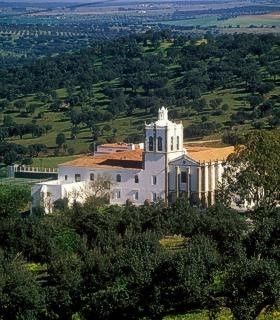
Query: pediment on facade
(184,160)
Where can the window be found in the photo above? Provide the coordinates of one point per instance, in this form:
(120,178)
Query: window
(154,179)
(172,142)
(136,195)
(184,177)
(154,197)
(65,177)
(136,179)
(116,194)
(118,178)
(151,143)
(178,144)
(77,177)
(159,143)
(91,177)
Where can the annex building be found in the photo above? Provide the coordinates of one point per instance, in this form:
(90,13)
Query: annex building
(160,169)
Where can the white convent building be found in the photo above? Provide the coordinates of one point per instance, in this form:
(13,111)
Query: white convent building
(161,170)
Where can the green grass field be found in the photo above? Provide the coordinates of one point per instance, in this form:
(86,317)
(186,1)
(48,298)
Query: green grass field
(202,21)
(247,21)
(241,21)
(51,162)
(18,181)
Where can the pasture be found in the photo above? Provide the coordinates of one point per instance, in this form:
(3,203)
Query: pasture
(124,125)
(247,21)
(51,162)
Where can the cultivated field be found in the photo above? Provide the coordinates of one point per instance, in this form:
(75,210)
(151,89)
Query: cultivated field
(248,21)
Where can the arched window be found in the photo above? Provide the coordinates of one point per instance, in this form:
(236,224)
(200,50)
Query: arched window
(159,143)
(151,144)
(136,179)
(172,142)
(178,142)
(119,178)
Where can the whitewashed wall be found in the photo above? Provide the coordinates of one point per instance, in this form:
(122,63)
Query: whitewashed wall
(46,193)
(127,186)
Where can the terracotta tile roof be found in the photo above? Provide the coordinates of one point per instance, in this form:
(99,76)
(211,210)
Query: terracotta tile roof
(209,154)
(133,159)
(119,160)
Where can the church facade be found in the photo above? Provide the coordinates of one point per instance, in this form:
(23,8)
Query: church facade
(162,170)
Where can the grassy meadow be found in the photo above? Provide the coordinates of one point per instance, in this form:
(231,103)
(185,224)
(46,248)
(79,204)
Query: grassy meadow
(51,162)
(18,181)
(265,20)
(202,21)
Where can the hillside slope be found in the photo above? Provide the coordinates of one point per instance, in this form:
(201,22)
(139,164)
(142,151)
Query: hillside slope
(215,86)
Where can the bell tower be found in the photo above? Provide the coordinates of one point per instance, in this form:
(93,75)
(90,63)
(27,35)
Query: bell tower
(163,137)
(163,143)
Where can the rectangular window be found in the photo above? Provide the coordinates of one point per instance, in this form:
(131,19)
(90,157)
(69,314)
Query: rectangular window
(136,195)
(151,143)
(118,178)
(154,179)
(159,143)
(91,177)
(136,179)
(77,177)
(184,177)
(154,197)
(116,194)
(65,177)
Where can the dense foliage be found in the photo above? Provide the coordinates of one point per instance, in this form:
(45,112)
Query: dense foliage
(125,262)
(252,171)
(115,262)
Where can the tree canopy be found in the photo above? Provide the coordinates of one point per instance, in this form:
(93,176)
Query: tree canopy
(108,262)
(253,170)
